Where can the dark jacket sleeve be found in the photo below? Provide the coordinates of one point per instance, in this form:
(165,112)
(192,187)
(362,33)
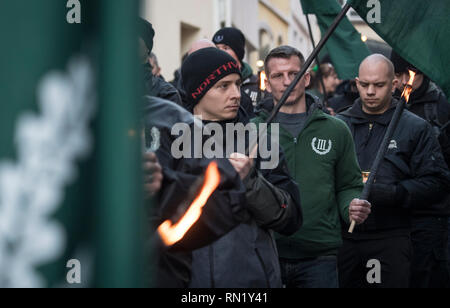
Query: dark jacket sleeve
(431,177)
(273,198)
(167,91)
(224,210)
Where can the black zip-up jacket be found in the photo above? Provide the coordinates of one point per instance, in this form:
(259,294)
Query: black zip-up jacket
(247,256)
(413,173)
(221,214)
(235,222)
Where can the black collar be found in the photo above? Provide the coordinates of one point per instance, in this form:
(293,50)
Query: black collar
(358,116)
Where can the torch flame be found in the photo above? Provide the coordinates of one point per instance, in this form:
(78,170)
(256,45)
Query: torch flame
(170,234)
(408,89)
(262,79)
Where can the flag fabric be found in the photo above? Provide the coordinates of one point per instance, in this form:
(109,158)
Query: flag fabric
(70,192)
(418,31)
(345,46)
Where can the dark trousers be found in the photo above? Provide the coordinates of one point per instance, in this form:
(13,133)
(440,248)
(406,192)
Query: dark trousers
(320,272)
(429,268)
(389,259)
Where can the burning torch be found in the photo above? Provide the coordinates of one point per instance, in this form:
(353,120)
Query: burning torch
(261,81)
(385,143)
(171,233)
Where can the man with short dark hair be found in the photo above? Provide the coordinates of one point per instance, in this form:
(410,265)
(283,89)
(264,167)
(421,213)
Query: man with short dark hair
(321,158)
(412,174)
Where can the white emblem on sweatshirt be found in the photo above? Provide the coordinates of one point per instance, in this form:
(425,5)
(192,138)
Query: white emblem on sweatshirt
(321,146)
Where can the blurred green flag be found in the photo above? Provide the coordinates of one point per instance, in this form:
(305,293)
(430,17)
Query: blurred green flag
(344,46)
(419,31)
(70,199)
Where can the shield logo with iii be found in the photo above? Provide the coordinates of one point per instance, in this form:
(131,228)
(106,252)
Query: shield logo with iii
(321,147)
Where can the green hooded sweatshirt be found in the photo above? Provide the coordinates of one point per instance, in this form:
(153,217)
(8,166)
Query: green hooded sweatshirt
(323,162)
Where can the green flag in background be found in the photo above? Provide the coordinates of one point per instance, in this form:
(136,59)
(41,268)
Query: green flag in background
(70,200)
(419,31)
(344,46)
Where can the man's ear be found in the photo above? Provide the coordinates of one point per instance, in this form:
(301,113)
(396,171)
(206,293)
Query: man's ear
(394,84)
(307,79)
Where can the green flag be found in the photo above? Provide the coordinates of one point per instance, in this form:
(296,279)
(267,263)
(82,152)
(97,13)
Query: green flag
(70,197)
(419,31)
(344,46)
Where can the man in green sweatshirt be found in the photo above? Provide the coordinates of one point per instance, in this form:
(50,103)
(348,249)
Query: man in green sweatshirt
(322,160)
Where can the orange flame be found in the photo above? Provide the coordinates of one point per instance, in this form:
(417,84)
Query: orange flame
(170,234)
(262,79)
(408,89)
(365,176)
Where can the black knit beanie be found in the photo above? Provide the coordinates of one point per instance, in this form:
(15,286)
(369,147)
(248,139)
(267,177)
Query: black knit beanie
(232,37)
(203,69)
(146,32)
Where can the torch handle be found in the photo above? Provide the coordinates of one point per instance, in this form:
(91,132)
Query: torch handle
(380,155)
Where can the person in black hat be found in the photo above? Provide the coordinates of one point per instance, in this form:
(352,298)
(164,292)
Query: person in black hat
(245,257)
(232,41)
(430,226)
(153,85)
(427,101)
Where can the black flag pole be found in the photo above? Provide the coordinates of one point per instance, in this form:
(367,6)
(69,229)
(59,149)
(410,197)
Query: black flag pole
(319,72)
(305,67)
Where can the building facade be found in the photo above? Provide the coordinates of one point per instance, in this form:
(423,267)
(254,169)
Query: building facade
(266,24)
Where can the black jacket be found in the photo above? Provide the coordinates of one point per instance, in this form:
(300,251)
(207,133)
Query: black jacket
(247,256)
(413,173)
(234,208)
(430,103)
(342,101)
(247,104)
(221,214)
(158,87)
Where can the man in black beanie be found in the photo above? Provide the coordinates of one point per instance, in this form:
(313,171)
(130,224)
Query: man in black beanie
(430,225)
(427,101)
(245,257)
(232,41)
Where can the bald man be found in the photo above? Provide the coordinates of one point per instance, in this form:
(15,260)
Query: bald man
(200,44)
(413,174)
